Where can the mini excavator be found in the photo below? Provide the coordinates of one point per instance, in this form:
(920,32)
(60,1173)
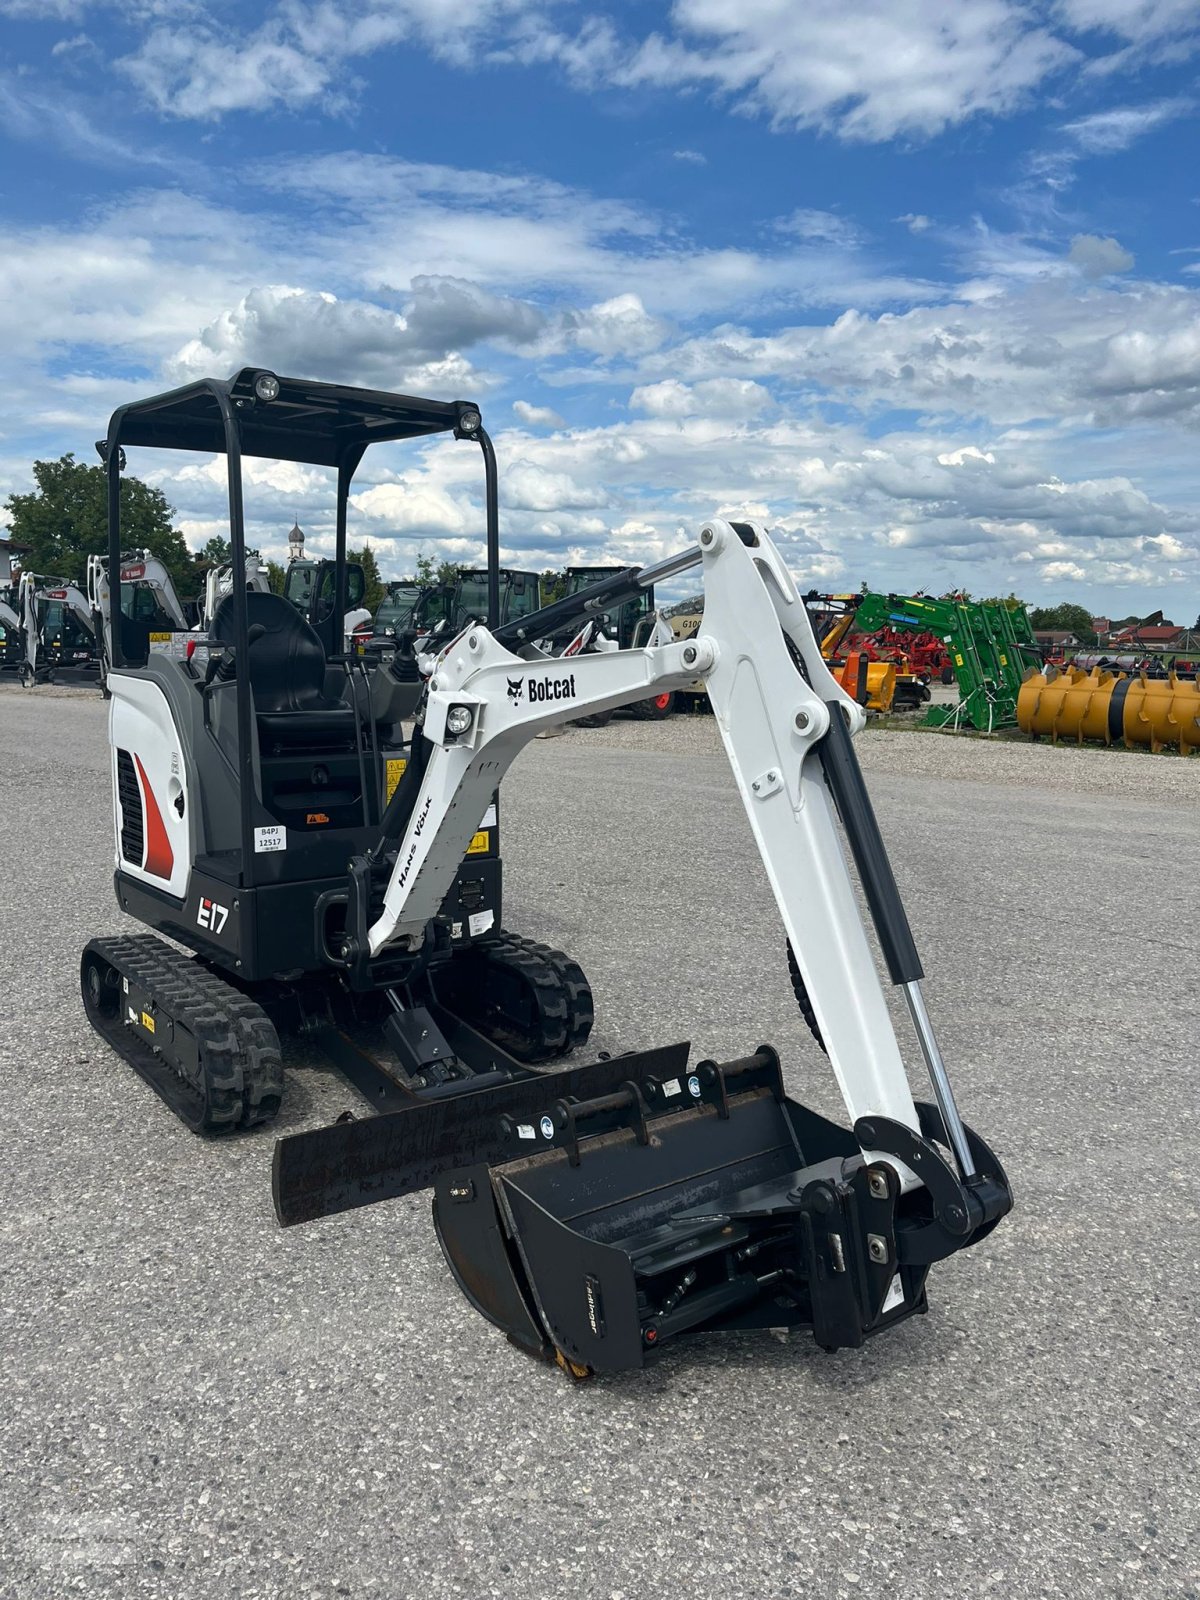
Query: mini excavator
(594,1212)
(59,631)
(149,611)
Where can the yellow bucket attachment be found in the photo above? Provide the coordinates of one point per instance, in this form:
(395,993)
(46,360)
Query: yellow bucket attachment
(1106,707)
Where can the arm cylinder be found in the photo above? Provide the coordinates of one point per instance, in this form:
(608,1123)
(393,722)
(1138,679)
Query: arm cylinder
(845,780)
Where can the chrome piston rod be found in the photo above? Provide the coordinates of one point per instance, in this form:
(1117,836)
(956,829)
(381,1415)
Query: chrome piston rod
(940,1078)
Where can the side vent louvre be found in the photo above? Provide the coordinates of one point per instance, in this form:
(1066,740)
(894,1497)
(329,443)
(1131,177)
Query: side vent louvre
(129,795)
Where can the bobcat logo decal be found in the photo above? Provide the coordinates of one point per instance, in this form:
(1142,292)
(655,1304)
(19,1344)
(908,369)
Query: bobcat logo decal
(515,686)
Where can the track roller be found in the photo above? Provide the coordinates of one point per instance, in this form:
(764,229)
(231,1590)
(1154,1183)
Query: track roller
(205,1048)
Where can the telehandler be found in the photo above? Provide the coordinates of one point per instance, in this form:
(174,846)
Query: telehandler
(596,1212)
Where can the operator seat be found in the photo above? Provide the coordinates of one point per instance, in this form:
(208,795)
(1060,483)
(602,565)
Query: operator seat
(286,664)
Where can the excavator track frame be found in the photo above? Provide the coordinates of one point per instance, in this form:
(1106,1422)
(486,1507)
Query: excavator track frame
(205,1048)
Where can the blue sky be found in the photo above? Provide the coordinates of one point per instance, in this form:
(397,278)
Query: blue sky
(916,283)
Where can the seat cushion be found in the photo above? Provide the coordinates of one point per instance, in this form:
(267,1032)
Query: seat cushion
(333,722)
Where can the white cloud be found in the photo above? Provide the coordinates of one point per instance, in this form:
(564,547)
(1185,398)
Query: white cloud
(1135,20)
(620,326)
(197,65)
(695,157)
(537,416)
(915,221)
(527,486)
(872,72)
(732,399)
(971,438)
(1098,257)
(869,72)
(77,42)
(824,226)
(964,454)
(1106,132)
(317,335)
(1012,352)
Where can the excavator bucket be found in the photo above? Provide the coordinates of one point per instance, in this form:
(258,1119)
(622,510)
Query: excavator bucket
(596,1214)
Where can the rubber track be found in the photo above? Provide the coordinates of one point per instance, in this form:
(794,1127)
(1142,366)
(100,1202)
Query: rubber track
(237,1044)
(581,1011)
(802,1000)
(554,987)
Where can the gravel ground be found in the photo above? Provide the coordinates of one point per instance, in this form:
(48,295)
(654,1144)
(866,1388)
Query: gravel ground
(194,1403)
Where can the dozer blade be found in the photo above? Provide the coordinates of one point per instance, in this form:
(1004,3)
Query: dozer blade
(354,1163)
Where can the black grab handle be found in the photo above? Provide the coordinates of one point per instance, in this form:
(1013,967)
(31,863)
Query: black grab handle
(845,780)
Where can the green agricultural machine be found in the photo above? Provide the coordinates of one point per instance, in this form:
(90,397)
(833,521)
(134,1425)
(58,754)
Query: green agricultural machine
(991,647)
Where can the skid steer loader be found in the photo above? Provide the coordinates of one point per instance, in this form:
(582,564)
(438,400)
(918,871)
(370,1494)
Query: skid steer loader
(12,639)
(595,1212)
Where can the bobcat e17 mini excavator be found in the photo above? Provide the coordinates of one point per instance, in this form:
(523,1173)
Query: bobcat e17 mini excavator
(592,1212)
(150,614)
(59,630)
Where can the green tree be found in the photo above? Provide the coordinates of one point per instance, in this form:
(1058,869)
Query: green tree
(65,520)
(276,575)
(430,571)
(1070,618)
(552,585)
(217,552)
(375,586)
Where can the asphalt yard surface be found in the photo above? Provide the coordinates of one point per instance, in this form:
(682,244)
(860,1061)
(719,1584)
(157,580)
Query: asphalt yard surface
(196,1403)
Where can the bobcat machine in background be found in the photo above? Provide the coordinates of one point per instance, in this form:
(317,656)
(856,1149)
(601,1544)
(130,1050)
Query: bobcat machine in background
(12,640)
(58,631)
(150,614)
(311,586)
(592,1212)
(444,608)
(218,582)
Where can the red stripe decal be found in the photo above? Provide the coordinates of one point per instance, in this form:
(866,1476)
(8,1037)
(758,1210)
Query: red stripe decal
(160,858)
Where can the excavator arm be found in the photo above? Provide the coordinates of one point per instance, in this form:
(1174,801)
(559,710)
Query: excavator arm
(773,698)
(595,1212)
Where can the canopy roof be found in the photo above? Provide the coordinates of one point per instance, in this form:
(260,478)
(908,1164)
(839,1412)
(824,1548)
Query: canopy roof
(321,424)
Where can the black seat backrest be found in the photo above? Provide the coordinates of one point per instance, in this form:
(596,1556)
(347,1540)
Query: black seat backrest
(286,659)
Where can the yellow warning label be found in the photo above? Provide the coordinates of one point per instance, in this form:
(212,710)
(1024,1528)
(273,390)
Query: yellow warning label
(395,771)
(147,1022)
(161,638)
(958,661)
(479,844)
(1003,661)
